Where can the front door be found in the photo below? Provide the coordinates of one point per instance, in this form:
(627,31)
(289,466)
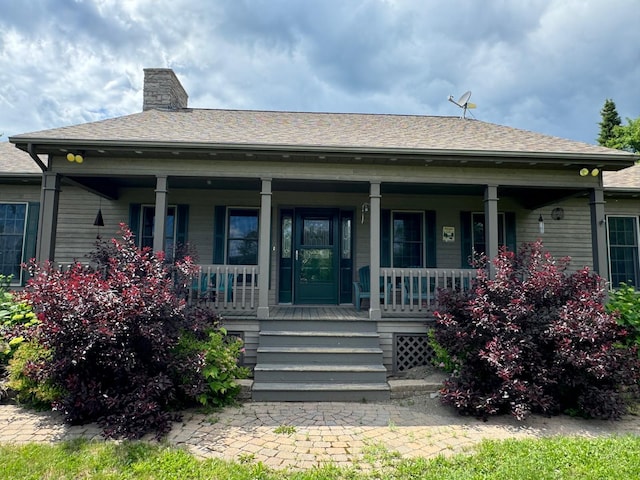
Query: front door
(317,256)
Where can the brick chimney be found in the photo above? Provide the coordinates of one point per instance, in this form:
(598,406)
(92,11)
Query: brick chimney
(163,90)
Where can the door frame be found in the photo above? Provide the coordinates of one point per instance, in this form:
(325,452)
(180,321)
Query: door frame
(289,233)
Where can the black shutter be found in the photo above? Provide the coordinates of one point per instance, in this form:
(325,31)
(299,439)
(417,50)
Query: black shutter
(466,246)
(182,212)
(219,223)
(430,239)
(510,231)
(134,220)
(29,252)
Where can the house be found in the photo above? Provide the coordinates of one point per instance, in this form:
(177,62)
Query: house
(292,214)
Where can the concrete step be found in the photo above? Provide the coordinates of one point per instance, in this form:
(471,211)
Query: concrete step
(314,392)
(319,373)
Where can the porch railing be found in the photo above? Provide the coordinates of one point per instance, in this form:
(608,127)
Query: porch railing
(226,287)
(415,289)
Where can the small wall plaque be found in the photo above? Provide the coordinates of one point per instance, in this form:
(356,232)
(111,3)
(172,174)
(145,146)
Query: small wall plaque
(448,234)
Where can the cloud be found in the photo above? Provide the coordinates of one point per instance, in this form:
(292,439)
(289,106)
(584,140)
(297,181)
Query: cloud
(538,65)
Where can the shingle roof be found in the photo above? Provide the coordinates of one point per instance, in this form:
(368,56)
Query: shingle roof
(14,161)
(628,178)
(300,129)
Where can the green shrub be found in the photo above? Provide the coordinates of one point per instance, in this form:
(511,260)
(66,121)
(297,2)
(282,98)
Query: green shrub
(213,380)
(31,390)
(441,357)
(626,302)
(17,323)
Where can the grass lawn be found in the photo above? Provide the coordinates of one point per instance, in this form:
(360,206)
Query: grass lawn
(551,458)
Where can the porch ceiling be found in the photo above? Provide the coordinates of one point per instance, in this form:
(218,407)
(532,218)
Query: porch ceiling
(110,186)
(533,198)
(529,197)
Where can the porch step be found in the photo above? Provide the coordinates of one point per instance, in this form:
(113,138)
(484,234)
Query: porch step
(318,392)
(319,360)
(318,338)
(319,355)
(340,374)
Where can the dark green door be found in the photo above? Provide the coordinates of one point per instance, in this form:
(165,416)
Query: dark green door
(316,260)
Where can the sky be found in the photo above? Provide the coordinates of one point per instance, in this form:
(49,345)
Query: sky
(539,65)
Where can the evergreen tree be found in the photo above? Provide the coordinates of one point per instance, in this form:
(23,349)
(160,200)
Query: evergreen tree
(610,119)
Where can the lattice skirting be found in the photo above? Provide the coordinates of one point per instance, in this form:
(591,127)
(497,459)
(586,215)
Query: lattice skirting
(410,350)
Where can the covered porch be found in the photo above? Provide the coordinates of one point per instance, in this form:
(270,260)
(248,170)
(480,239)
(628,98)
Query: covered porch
(301,241)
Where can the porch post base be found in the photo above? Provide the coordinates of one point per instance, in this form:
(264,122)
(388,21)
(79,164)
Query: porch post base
(375,314)
(263,312)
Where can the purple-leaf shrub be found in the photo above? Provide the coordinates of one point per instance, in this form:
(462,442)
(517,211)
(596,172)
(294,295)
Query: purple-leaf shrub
(535,338)
(112,331)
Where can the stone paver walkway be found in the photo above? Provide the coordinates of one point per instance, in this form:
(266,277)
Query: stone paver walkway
(302,435)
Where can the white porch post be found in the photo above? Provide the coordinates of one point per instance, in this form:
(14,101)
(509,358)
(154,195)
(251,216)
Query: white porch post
(264,249)
(48,220)
(491,225)
(374,238)
(598,233)
(160,220)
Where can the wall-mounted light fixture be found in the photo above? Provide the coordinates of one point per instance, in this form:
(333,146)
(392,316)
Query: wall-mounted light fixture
(364,209)
(541,224)
(78,157)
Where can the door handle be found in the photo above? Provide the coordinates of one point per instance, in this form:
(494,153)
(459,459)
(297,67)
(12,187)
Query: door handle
(296,255)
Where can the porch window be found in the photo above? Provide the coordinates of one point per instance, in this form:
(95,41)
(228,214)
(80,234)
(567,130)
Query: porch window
(472,230)
(146,232)
(477,231)
(13,225)
(408,239)
(242,239)
(18,232)
(142,220)
(623,250)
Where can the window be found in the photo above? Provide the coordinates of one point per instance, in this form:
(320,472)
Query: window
(623,250)
(242,238)
(12,238)
(408,239)
(477,232)
(147,229)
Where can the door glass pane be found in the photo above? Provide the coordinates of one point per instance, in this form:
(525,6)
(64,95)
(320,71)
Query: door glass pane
(346,239)
(316,232)
(316,265)
(287,224)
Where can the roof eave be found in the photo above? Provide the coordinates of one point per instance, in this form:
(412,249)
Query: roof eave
(621,159)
